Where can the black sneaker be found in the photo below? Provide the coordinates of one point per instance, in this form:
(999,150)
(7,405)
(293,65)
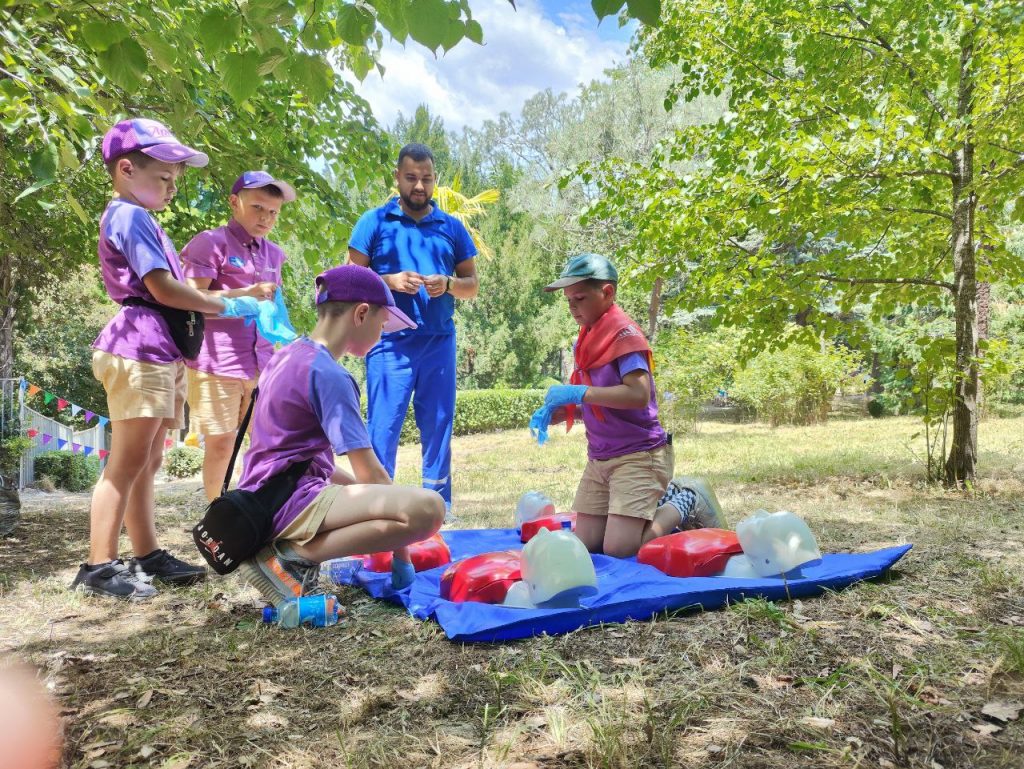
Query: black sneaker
(113,580)
(161,565)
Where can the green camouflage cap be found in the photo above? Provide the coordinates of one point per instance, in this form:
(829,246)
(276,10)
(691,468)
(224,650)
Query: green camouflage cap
(585,267)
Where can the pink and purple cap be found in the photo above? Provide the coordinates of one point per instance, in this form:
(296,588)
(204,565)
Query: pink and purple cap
(251,180)
(355,283)
(152,138)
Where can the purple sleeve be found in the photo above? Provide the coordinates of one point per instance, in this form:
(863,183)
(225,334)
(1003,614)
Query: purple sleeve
(632,361)
(464,246)
(134,233)
(334,397)
(200,258)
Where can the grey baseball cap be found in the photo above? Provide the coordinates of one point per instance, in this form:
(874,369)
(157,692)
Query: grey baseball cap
(585,267)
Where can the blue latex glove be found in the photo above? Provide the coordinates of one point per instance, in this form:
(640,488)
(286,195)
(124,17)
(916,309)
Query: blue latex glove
(240,307)
(539,424)
(272,321)
(564,395)
(402,574)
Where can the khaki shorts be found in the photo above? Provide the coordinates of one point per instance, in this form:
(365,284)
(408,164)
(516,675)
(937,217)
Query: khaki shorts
(216,404)
(628,485)
(138,389)
(307,524)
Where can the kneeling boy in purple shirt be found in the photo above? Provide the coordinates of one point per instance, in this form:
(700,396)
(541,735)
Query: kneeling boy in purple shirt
(626,496)
(308,410)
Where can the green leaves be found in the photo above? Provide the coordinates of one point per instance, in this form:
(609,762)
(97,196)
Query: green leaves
(100,35)
(647,11)
(428,22)
(241,74)
(604,8)
(355,24)
(125,63)
(219,29)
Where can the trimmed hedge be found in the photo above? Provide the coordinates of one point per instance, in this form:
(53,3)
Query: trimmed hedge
(483,411)
(74,472)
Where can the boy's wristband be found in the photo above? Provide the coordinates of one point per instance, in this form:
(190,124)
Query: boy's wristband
(448,284)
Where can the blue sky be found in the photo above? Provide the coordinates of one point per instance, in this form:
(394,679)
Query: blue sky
(544,44)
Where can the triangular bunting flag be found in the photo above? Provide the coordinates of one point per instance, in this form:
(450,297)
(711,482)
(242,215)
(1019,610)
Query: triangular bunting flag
(61,404)
(33,433)
(47,438)
(103,421)
(87,450)
(23,384)
(47,397)
(103,453)
(75,447)
(88,416)
(61,443)
(75,409)
(33,389)
(168,443)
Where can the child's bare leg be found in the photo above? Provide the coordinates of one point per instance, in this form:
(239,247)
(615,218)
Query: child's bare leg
(217,454)
(139,514)
(623,535)
(374,518)
(110,497)
(666,520)
(590,529)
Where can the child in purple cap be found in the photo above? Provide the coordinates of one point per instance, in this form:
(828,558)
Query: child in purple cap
(137,360)
(234,260)
(308,410)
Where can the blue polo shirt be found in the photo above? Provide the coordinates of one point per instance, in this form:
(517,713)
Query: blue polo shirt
(396,242)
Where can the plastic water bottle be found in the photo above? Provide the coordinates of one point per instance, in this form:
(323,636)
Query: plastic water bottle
(341,571)
(315,610)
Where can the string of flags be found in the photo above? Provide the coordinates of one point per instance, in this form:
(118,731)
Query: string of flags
(32,390)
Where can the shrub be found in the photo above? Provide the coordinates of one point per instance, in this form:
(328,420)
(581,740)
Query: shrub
(74,472)
(690,369)
(482,411)
(183,461)
(796,384)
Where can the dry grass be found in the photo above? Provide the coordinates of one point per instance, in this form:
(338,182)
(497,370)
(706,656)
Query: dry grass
(893,673)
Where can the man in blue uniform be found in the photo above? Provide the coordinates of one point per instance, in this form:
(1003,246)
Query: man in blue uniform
(427,259)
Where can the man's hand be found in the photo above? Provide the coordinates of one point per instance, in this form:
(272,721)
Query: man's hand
(408,282)
(264,290)
(436,285)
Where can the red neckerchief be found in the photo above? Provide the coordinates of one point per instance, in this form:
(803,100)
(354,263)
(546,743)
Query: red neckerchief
(615,334)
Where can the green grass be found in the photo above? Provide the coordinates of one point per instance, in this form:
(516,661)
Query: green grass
(889,673)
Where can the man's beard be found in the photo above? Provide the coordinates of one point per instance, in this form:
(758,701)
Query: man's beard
(412,205)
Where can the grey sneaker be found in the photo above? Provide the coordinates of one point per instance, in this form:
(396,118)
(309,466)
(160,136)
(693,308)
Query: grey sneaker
(112,580)
(267,573)
(705,512)
(302,570)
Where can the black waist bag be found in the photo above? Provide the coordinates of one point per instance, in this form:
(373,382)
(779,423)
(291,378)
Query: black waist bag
(186,326)
(239,522)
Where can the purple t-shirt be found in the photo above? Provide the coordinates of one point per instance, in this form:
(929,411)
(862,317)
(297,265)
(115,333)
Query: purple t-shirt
(233,259)
(308,408)
(132,245)
(623,431)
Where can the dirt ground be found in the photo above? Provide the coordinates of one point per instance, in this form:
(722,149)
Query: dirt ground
(923,668)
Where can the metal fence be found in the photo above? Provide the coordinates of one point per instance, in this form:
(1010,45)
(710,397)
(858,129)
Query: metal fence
(14,411)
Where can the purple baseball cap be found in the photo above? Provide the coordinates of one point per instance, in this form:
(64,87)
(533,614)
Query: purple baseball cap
(355,283)
(151,137)
(252,180)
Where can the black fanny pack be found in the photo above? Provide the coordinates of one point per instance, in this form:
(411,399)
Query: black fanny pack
(239,522)
(186,326)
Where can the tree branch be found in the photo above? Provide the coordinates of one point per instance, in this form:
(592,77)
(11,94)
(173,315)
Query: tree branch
(885,281)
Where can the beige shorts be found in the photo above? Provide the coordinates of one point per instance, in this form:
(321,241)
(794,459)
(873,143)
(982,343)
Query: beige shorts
(138,389)
(307,524)
(216,404)
(628,485)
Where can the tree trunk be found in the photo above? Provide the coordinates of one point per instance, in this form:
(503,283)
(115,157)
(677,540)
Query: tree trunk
(653,308)
(6,316)
(961,464)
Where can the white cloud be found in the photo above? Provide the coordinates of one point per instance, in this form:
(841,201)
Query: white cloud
(524,52)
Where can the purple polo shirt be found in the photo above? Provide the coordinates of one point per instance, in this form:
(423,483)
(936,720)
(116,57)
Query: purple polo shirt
(232,258)
(623,431)
(131,245)
(308,408)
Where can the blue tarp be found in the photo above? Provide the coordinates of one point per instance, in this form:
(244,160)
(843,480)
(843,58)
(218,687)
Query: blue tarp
(627,590)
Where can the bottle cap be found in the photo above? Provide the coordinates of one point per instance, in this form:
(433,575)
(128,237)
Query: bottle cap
(269,614)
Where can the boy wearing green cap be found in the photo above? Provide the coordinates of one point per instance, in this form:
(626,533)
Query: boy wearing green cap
(621,502)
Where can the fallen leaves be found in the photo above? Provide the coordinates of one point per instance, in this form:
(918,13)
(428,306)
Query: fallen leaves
(1002,711)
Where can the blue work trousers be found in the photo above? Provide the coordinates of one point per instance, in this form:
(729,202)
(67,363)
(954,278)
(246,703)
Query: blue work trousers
(422,367)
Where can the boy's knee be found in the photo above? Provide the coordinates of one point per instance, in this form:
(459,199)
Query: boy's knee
(428,511)
(620,549)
